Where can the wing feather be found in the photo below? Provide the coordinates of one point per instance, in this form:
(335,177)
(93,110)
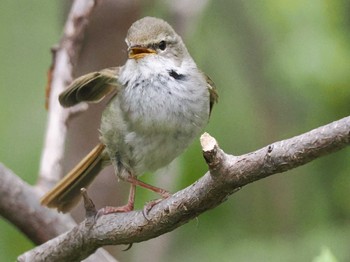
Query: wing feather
(92,87)
(213,95)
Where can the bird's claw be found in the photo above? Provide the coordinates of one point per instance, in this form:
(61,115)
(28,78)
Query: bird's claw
(148,207)
(110,210)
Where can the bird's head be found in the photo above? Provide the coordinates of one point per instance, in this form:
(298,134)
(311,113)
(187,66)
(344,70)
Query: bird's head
(154,36)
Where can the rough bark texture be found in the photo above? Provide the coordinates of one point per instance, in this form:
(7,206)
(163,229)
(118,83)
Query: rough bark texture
(226,175)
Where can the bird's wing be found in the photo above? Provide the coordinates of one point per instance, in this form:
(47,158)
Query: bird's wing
(213,98)
(92,87)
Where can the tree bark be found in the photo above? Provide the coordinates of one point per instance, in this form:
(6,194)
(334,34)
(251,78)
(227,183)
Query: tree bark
(226,175)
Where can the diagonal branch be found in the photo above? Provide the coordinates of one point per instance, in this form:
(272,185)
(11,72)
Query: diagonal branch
(227,174)
(60,75)
(19,204)
(18,200)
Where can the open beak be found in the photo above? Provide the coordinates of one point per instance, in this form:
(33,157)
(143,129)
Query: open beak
(138,52)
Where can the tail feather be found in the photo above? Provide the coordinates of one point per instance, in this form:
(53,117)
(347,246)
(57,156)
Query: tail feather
(66,193)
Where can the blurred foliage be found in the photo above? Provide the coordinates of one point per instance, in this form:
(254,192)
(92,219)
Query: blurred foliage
(281,68)
(325,256)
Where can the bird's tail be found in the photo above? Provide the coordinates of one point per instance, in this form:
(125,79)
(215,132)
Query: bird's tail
(66,194)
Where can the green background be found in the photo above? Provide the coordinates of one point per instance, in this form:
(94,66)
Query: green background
(281,67)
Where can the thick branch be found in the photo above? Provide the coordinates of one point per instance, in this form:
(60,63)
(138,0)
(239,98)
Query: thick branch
(19,204)
(18,200)
(229,173)
(290,153)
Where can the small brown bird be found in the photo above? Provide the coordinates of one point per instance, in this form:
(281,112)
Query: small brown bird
(161,102)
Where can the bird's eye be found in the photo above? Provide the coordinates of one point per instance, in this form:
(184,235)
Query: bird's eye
(162,45)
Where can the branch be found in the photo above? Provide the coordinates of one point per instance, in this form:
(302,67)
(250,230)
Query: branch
(227,174)
(19,201)
(19,204)
(60,75)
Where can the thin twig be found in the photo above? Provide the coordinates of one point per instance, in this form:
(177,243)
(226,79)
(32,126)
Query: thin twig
(61,74)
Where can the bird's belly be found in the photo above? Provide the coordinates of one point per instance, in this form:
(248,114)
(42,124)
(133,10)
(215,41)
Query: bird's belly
(162,126)
(153,124)
(149,152)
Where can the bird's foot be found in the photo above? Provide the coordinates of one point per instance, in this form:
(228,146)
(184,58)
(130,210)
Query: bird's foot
(110,210)
(149,205)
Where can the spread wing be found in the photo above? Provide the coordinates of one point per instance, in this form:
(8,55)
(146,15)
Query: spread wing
(212,92)
(92,87)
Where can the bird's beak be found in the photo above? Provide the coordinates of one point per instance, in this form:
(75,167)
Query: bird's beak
(138,52)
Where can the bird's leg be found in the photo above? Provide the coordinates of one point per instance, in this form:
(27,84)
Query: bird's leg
(162,192)
(126,208)
(130,205)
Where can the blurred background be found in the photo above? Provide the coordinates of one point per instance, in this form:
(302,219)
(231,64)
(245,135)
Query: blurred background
(281,67)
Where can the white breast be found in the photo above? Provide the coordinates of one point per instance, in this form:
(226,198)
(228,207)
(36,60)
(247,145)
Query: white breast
(161,114)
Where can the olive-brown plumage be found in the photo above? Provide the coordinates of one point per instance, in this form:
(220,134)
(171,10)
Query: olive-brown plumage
(161,102)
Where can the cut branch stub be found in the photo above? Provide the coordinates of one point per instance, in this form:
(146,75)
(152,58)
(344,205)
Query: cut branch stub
(212,154)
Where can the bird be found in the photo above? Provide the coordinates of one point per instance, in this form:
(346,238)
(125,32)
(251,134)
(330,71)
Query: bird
(160,101)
